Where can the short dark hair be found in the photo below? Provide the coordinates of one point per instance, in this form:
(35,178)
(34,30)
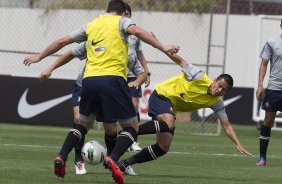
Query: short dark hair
(228,79)
(128,8)
(281,21)
(117,6)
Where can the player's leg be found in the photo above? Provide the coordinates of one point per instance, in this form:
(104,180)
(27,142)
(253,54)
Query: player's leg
(135,94)
(74,136)
(158,105)
(265,133)
(116,104)
(161,110)
(78,132)
(110,135)
(79,163)
(271,104)
(152,152)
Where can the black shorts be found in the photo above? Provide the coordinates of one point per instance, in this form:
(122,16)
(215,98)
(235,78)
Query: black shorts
(272,100)
(106,98)
(133,91)
(159,105)
(76,93)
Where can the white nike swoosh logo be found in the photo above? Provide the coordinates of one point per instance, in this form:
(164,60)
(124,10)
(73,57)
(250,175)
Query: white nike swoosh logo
(26,110)
(205,112)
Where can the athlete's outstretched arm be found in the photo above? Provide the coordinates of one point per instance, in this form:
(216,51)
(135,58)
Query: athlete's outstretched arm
(65,58)
(51,49)
(176,58)
(232,135)
(149,39)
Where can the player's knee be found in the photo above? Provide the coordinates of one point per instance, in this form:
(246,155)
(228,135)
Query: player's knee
(87,125)
(76,119)
(111,132)
(110,128)
(268,123)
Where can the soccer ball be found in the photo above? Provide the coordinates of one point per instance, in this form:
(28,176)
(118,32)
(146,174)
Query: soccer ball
(93,152)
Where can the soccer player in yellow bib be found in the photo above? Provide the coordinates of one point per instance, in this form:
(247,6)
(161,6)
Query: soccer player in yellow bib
(190,90)
(105,96)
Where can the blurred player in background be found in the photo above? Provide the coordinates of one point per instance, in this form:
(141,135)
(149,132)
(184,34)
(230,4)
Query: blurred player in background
(135,53)
(104,96)
(272,51)
(190,90)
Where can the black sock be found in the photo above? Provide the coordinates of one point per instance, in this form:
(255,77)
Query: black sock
(149,153)
(264,140)
(72,138)
(152,127)
(77,148)
(138,116)
(124,140)
(110,142)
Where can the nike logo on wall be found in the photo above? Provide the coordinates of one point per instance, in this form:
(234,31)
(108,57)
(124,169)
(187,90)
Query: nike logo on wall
(205,112)
(94,43)
(26,110)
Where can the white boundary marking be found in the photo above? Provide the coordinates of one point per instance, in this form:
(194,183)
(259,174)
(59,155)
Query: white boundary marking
(171,152)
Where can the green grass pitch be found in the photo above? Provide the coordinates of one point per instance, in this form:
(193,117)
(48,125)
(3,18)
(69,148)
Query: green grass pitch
(27,154)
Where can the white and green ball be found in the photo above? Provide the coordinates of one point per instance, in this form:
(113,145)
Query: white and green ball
(93,152)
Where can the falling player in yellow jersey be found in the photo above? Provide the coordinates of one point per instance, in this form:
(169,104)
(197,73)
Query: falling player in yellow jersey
(190,90)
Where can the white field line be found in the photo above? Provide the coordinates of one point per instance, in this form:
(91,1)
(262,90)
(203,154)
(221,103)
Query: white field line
(171,152)
(29,145)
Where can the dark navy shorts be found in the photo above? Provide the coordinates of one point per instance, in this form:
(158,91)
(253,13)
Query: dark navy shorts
(107,98)
(159,105)
(133,91)
(76,93)
(272,100)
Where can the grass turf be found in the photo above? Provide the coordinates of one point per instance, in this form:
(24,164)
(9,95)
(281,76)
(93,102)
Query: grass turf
(27,154)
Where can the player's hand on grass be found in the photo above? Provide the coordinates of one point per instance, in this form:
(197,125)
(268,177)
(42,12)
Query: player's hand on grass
(31,59)
(242,150)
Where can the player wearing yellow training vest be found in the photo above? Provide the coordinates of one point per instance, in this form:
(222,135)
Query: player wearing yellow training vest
(190,90)
(105,94)
(106,52)
(187,95)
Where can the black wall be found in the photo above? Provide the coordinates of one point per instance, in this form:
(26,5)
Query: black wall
(12,89)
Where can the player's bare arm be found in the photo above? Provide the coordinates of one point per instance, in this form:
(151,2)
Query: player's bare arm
(149,39)
(228,129)
(262,72)
(141,78)
(141,58)
(51,49)
(176,58)
(65,58)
